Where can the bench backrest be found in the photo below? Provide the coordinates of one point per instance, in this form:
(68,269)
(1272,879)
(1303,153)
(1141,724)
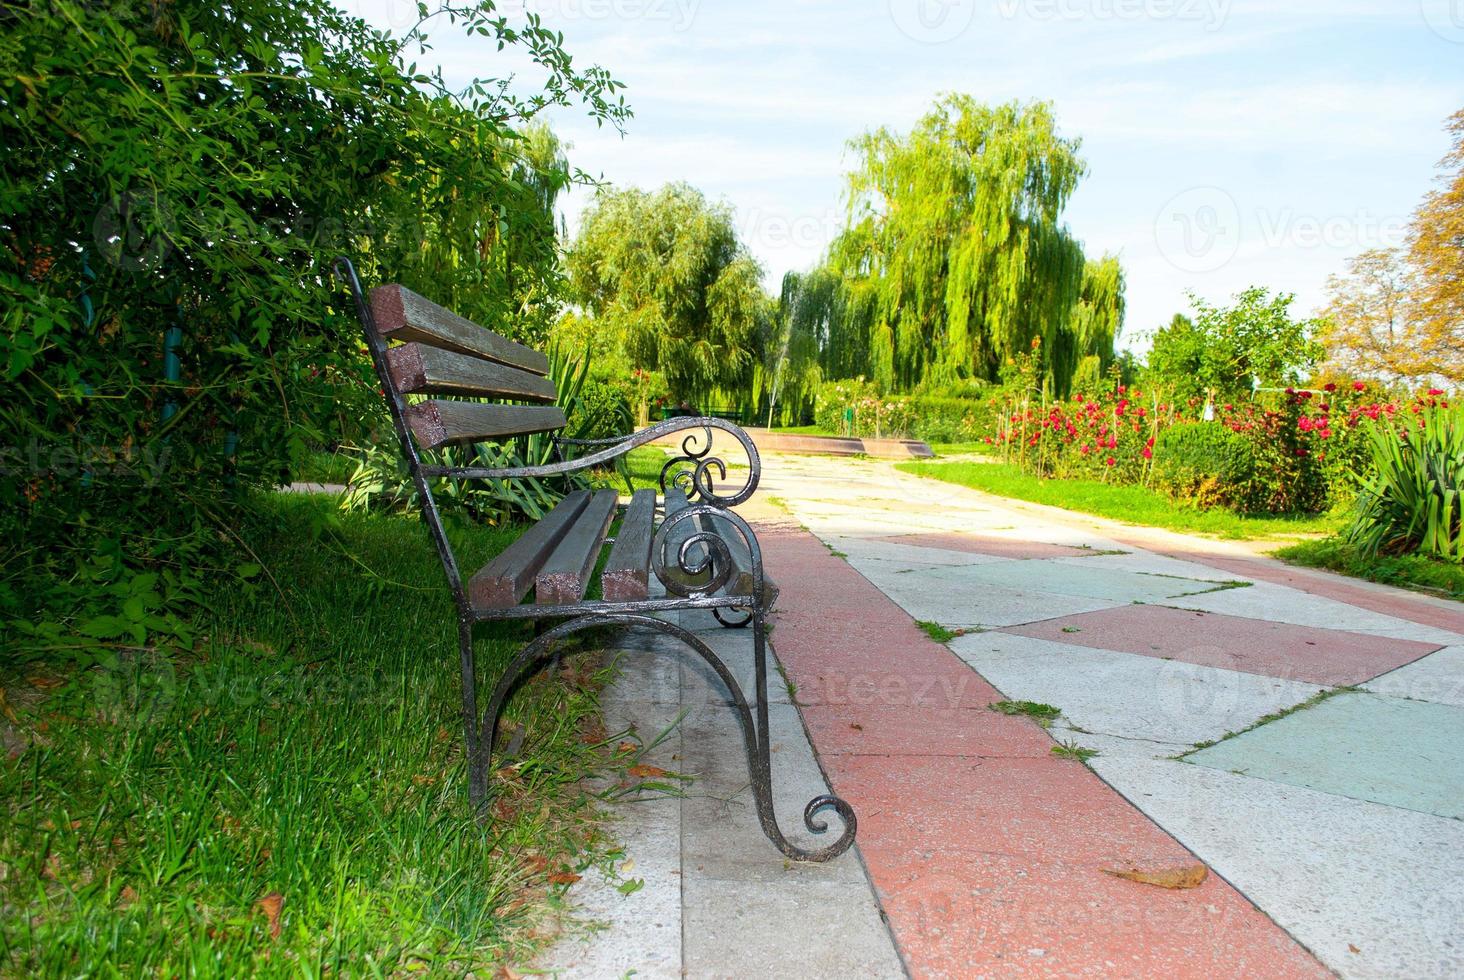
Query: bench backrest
(421,348)
(442,353)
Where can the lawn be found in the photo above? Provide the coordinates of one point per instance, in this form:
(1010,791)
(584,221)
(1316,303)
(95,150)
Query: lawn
(289,797)
(1432,575)
(1133,505)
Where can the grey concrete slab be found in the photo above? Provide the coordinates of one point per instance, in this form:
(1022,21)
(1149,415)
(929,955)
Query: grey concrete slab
(721,835)
(1116,746)
(1403,753)
(1438,677)
(1094,582)
(904,555)
(618,934)
(1125,694)
(948,596)
(743,929)
(1373,891)
(701,857)
(700,683)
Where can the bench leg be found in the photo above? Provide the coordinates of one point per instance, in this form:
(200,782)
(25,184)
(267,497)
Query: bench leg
(754,717)
(477,758)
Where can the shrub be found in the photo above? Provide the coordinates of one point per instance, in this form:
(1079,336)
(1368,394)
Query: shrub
(1411,501)
(171,336)
(1206,464)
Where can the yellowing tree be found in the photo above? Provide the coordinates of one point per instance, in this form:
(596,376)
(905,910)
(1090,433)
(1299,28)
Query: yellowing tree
(1399,313)
(1436,253)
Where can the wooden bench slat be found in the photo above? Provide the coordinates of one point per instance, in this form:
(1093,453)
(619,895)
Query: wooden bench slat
(566,574)
(626,576)
(438,423)
(505,580)
(401,314)
(418,369)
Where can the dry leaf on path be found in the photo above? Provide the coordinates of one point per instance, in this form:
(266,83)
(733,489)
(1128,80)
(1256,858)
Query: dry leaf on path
(644,771)
(271,905)
(563,878)
(1177,878)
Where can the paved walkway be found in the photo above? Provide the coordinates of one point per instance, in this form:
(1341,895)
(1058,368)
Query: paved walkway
(1333,834)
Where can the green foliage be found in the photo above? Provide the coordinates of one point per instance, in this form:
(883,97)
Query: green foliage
(1411,501)
(1043,714)
(175,179)
(1416,571)
(1229,352)
(1208,465)
(955,258)
(1132,504)
(672,287)
(310,747)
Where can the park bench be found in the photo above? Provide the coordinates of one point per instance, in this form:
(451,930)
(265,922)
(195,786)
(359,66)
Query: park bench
(682,549)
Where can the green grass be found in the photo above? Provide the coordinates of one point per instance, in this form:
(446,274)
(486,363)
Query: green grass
(959,448)
(1044,714)
(1134,505)
(1420,572)
(1074,752)
(939,633)
(326,467)
(308,748)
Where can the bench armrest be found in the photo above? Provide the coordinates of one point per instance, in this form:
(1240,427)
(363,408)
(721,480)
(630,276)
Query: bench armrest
(692,470)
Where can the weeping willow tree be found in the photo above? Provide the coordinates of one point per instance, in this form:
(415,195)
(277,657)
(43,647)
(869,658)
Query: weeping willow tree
(670,284)
(1097,319)
(955,258)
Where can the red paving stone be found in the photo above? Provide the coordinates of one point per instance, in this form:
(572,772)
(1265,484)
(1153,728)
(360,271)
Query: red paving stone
(982,544)
(1299,653)
(989,862)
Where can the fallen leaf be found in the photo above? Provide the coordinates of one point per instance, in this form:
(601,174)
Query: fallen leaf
(423,780)
(644,771)
(1177,878)
(5,707)
(624,747)
(52,869)
(1353,949)
(507,973)
(535,863)
(271,905)
(443,734)
(44,683)
(126,896)
(563,878)
(856,726)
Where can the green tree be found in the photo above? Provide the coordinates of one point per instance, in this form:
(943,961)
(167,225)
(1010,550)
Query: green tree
(175,180)
(669,283)
(957,230)
(1231,351)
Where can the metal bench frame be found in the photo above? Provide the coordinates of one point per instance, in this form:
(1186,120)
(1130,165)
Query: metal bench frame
(702,558)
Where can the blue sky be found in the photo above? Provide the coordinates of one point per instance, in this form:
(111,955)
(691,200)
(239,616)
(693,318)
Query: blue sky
(1229,142)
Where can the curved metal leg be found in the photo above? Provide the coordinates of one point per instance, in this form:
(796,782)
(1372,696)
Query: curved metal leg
(754,727)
